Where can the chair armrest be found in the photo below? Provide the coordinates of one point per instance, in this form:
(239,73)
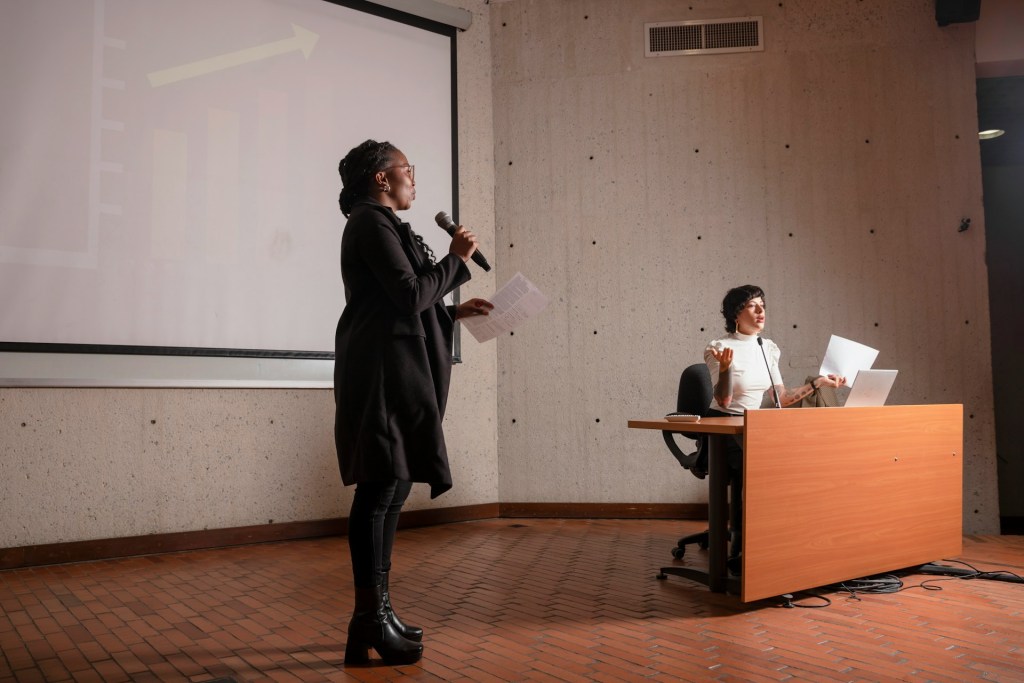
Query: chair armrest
(687,460)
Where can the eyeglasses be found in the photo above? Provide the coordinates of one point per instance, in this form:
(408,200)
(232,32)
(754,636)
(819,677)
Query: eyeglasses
(410,169)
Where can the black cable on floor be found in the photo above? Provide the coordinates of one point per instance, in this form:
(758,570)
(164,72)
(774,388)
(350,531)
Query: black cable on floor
(883,583)
(991,575)
(890,583)
(788,597)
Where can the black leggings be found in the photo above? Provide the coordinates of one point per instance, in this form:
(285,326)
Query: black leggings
(372,524)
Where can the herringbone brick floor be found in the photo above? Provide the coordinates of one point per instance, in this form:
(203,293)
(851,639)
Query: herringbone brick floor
(500,600)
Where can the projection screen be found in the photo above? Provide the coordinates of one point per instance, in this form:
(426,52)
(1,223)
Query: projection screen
(169,184)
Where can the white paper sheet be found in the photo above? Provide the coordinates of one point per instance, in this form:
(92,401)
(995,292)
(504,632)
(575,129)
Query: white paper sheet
(845,358)
(518,301)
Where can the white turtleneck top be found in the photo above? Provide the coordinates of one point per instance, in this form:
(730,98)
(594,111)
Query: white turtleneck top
(749,374)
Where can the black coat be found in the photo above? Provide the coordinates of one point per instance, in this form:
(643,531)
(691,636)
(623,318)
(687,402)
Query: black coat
(393,353)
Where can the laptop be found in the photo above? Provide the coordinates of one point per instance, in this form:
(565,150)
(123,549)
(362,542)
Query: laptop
(870,388)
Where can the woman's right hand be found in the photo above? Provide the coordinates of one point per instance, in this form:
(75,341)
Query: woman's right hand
(464,243)
(724,358)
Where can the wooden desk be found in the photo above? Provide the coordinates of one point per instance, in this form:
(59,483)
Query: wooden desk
(833,494)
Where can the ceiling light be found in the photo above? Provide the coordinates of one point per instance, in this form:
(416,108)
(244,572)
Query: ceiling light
(989,134)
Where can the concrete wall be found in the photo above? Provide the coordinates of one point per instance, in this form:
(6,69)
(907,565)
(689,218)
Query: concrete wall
(80,464)
(833,169)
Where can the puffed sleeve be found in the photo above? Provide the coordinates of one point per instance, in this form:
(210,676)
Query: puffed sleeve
(774,355)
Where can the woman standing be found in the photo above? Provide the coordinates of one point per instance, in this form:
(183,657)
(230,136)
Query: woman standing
(393,356)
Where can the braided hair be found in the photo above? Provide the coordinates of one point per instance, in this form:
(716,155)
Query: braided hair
(357,170)
(426,247)
(735,299)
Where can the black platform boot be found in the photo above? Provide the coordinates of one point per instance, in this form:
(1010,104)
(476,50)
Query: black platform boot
(371,627)
(414,633)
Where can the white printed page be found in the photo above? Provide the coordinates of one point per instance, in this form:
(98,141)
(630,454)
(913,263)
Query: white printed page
(845,358)
(515,303)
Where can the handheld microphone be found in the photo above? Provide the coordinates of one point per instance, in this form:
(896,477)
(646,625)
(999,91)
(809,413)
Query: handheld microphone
(446,223)
(775,394)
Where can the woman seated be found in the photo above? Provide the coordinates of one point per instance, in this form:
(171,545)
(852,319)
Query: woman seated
(743,367)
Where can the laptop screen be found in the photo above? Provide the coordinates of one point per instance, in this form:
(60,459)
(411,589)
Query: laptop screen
(871,388)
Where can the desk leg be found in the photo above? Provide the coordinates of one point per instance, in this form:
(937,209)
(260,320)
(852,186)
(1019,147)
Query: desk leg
(718,513)
(717,576)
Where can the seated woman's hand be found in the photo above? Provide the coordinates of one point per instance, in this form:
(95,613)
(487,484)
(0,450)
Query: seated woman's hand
(834,381)
(724,358)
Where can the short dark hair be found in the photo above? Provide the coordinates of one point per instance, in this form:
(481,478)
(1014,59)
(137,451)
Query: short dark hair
(734,301)
(358,168)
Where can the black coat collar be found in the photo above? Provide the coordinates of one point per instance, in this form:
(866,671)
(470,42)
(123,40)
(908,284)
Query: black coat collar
(417,256)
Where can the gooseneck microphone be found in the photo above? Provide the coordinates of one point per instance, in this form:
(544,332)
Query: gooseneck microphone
(448,225)
(775,394)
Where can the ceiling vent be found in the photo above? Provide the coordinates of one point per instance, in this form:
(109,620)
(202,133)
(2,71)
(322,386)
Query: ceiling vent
(704,37)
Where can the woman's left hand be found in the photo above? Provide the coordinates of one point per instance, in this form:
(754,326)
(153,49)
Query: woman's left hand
(473,307)
(834,381)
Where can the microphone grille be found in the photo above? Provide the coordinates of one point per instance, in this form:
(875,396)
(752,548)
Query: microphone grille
(443,219)
(760,342)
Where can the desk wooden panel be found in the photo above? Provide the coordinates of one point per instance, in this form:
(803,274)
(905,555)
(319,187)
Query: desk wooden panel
(832,494)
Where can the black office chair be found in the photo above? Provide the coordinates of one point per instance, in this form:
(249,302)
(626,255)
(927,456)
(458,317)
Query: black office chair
(694,398)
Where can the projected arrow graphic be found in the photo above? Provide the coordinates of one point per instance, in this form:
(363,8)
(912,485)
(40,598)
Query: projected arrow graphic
(302,40)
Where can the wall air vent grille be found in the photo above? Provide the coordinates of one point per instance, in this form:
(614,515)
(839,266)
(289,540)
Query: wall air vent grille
(704,37)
